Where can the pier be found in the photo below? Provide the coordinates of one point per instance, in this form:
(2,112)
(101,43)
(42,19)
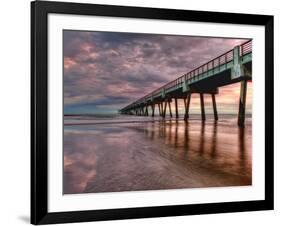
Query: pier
(234,66)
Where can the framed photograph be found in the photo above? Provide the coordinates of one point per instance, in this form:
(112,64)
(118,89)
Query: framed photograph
(144,112)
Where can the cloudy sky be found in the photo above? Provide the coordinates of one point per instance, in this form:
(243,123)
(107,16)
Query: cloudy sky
(105,71)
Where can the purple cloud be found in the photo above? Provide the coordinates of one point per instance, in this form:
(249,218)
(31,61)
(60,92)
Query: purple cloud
(112,69)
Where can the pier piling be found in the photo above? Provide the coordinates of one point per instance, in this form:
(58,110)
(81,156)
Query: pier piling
(164,112)
(242,103)
(187,103)
(170,110)
(202,107)
(214,106)
(176,106)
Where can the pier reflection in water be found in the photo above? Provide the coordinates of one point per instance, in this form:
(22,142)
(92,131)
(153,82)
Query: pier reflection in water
(156,155)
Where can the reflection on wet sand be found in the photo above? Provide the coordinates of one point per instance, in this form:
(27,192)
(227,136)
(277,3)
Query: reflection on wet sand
(156,155)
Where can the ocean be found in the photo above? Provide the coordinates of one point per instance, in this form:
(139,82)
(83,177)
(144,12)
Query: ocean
(113,153)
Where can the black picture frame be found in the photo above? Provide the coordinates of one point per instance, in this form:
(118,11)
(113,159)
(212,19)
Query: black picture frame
(39,112)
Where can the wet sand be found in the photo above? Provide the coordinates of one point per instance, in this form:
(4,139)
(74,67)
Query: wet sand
(156,155)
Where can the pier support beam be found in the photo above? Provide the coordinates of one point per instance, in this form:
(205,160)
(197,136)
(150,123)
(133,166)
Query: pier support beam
(170,110)
(202,107)
(242,103)
(186,105)
(214,106)
(146,110)
(159,108)
(164,111)
(152,108)
(176,106)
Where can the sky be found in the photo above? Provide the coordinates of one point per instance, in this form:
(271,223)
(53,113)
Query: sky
(105,71)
